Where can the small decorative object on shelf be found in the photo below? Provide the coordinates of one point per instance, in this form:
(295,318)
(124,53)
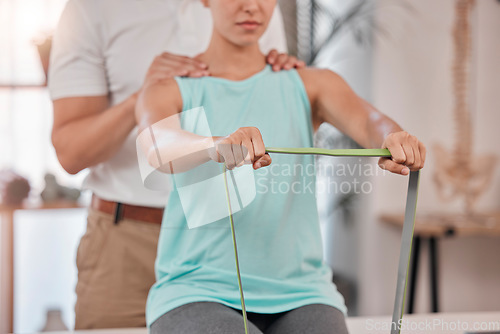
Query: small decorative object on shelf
(44,45)
(55,192)
(54,321)
(13,187)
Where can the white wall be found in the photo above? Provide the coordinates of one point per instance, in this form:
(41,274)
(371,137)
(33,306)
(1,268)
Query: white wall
(341,238)
(412,84)
(45,245)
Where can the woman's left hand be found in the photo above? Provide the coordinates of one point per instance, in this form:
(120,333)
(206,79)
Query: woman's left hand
(408,153)
(283,61)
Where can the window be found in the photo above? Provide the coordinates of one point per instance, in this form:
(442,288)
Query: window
(25,107)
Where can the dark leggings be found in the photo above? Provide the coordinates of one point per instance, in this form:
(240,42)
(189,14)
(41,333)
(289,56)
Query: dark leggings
(215,318)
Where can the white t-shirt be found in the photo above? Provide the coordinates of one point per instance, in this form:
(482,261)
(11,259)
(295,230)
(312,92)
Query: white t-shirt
(105,47)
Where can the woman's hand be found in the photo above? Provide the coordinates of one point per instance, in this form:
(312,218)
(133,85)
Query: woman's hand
(243,147)
(408,153)
(283,61)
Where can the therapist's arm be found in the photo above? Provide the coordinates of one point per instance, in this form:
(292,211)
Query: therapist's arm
(333,101)
(88,131)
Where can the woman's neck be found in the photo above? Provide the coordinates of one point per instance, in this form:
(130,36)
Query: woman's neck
(230,61)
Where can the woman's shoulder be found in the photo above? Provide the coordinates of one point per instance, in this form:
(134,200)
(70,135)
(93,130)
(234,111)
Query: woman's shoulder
(165,86)
(315,79)
(314,75)
(163,92)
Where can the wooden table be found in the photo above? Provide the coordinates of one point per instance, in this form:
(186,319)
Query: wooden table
(433,226)
(368,325)
(7,255)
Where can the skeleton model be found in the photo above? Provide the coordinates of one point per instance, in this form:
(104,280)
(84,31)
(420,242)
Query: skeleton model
(459,173)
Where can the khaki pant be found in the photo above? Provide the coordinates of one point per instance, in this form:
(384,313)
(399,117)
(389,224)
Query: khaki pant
(115,271)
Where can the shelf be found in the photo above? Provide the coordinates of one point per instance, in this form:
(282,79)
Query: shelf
(35,86)
(450,224)
(39,205)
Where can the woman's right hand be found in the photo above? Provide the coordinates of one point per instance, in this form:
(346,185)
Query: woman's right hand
(242,147)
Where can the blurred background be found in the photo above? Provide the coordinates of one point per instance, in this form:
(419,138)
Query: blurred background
(433,66)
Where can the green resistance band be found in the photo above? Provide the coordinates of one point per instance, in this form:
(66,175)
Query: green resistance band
(407,234)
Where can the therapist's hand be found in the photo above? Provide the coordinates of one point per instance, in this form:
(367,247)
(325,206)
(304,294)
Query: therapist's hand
(242,147)
(167,65)
(283,61)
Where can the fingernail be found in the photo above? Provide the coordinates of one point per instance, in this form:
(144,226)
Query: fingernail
(406,170)
(258,165)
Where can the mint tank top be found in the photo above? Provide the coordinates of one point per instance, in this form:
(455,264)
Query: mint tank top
(278,233)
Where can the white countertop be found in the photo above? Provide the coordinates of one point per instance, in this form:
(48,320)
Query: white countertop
(443,323)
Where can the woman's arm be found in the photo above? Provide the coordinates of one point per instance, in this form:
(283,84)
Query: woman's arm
(333,101)
(171,149)
(167,147)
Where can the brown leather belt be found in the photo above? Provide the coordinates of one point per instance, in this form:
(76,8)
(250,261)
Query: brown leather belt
(127,211)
